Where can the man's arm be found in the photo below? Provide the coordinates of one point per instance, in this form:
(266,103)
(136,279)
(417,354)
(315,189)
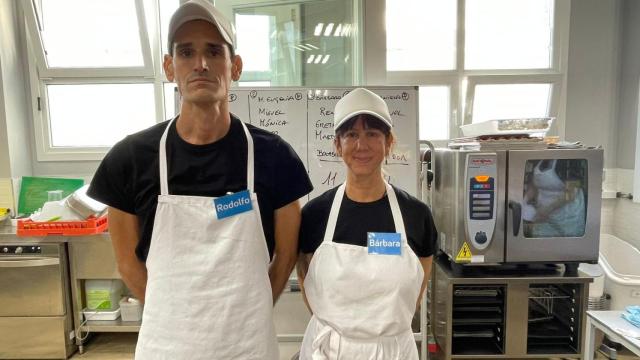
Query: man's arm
(124,232)
(426,266)
(286,226)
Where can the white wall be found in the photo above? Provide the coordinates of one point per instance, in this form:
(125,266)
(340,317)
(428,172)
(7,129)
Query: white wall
(15,133)
(629,80)
(592,81)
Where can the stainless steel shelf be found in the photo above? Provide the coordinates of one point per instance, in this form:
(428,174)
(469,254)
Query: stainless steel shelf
(111,326)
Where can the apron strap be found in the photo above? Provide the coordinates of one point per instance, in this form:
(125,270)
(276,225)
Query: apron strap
(162,153)
(333,214)
(250,161)
(335,210)
(398,221)
(164,183)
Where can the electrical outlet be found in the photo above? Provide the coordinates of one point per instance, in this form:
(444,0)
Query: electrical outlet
(635,293)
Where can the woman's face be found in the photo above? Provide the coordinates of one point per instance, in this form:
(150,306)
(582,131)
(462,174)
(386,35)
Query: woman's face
(363,149)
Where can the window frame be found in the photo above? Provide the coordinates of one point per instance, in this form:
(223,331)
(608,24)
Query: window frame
(33,21)
(369,70)
(40,76)
(554,80)
(461,81)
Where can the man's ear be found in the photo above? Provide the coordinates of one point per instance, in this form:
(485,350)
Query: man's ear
(236,67)
(167,64)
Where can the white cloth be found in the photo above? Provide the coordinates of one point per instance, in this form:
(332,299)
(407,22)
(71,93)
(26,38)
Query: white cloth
(362,304)
(208,293)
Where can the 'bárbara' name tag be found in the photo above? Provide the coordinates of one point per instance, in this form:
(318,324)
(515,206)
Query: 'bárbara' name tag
(384,243)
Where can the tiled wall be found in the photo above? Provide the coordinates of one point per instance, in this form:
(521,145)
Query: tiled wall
(621,217)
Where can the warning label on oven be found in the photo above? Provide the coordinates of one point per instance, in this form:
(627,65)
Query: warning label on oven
(464,255)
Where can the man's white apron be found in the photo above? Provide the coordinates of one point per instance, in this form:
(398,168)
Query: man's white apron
(208,293)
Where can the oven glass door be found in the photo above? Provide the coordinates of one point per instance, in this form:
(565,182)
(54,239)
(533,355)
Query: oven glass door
(553,205)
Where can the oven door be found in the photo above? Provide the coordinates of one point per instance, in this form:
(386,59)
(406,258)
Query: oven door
(553,205)
(31,286)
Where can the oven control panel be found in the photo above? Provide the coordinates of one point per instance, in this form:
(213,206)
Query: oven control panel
(481,197)
(20,249)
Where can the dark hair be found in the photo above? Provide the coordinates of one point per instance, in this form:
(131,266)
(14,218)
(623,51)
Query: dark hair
(369,122)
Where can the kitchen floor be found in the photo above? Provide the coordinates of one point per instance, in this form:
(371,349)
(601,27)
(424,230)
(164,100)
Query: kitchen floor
(290,317)
(121,346)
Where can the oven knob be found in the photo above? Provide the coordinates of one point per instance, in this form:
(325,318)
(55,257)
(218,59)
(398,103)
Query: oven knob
(5,250)
(19,250)
(481,237)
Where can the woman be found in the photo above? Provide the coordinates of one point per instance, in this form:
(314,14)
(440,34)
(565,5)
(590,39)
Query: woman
(366,247)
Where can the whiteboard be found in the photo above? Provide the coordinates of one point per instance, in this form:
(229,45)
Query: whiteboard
(304,118)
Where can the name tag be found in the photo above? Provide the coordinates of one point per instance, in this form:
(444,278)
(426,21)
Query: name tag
(233,204)
(384,243)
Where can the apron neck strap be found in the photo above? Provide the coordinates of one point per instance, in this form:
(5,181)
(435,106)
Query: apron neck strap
(250,167)
(335,210)
(164,183)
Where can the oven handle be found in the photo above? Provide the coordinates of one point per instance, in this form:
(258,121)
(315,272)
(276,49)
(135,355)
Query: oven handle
(516,217)
(49,261)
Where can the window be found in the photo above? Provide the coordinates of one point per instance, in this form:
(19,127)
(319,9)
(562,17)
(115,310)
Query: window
(503,34)
(423,38)
(102,113)
(296,43)
(102,83)
(507,101)
(93,46)
(473,60)
(507,60)
(434,107)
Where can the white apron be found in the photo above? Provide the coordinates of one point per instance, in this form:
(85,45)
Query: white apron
(362,304)
(208,293)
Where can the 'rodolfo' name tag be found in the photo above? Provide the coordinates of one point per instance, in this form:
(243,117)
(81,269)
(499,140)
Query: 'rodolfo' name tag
(233,204)
(384,243)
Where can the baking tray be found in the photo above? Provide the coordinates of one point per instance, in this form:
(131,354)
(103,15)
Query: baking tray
(523,126)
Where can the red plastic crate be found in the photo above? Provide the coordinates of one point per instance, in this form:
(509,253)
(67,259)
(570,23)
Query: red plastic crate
(64,228)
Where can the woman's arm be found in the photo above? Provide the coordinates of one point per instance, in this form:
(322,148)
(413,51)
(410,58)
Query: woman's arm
(426,266)
(302,267)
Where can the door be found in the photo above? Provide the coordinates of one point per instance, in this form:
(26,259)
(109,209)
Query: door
(553,205)
(31,285)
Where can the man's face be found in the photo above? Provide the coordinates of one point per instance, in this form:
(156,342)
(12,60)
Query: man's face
(201,64)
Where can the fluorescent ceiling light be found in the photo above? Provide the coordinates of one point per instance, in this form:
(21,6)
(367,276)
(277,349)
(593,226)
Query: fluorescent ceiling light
(318,30)
(338,30)
(326,58)
(310,59)
(346,30)
(328,29)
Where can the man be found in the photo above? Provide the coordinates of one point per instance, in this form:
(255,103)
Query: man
(197,256)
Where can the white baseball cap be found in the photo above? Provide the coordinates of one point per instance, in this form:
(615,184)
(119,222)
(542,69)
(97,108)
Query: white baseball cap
(201,10)
(360,101)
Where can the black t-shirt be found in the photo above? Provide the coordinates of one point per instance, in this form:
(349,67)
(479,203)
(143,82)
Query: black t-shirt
(128,177)
(356,219)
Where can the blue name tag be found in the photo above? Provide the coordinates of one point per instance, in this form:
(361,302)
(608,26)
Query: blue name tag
(384,243)
(233,204)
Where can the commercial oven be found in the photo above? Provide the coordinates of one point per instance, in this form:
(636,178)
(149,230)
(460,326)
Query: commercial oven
(518,206)
(35,308)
